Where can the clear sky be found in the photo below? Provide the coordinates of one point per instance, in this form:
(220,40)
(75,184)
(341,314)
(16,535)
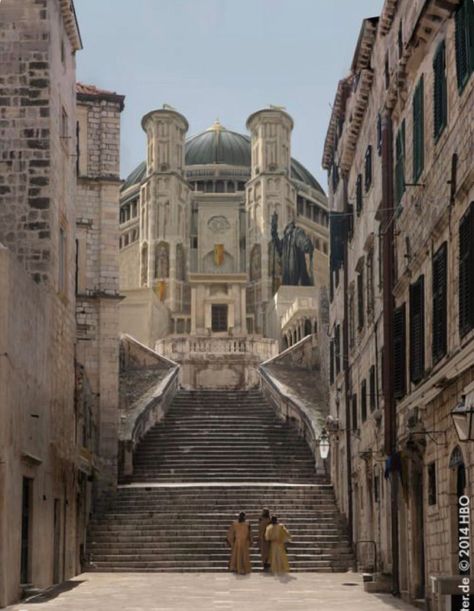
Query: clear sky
(222,59)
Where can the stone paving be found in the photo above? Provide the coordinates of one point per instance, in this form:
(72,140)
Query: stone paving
(212,591)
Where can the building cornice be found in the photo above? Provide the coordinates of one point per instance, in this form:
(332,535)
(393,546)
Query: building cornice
(70,22)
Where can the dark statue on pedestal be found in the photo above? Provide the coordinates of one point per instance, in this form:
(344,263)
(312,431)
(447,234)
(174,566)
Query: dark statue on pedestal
(292,248)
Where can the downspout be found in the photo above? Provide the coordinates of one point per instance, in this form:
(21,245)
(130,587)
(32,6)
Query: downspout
(347,386)
(390,416)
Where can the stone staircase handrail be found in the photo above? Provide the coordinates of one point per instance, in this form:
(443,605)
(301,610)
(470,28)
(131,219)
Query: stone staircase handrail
(290,408)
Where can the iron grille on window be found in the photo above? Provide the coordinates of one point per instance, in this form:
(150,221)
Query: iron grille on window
(440,294)
(464,42)
(399,352)
(440,111)
(219,317)
(418,131)
(466,272)
(417,330)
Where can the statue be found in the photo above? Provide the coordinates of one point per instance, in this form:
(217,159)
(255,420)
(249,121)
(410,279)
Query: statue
(292,248)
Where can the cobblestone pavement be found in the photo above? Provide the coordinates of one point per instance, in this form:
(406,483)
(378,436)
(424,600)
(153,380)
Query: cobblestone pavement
(215,591)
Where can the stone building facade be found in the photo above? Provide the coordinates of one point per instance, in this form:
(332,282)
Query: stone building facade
(51,451)
(196,251)
(399,151)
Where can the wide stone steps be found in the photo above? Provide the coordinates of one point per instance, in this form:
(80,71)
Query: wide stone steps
(214,454)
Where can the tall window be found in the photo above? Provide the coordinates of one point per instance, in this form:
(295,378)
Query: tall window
(418,131)
(432,483)
(219,317)
(360,300)
(355,422)
(440,294)
(350,315)
(400,164)
(337,347)
(399,352)
(372,389)
(331,362)
(370,282)
(62,261)
(440,110)
(363,401)
(417,330)
(368,168)
(359,198)
(464,42)
(466,272)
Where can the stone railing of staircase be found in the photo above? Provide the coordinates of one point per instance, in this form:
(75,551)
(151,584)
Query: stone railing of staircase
(287,406)
(264,348)
(150,408)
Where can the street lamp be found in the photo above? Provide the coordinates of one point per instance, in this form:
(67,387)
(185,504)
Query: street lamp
(463,418)
(324,444)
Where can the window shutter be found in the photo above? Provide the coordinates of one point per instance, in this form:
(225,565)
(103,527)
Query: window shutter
(363,401)
(466,272)
(368,168)
(331,362)
(440,287)
(337,347)
(399,357)
(440,90)
(418,131)
(400,164)
(464,42)
(350,221)
(359,202)
(379,133)
(360,300)
(354,413)
(417,330)
(372,389)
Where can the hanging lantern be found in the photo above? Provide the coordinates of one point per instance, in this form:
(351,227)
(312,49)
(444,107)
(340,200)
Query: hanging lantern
(324,444)
(463,418)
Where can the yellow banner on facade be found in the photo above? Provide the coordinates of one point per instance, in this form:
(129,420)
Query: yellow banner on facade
(160,289)
(218,254)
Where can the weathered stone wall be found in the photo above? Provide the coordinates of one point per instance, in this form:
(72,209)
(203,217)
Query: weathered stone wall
(97,220)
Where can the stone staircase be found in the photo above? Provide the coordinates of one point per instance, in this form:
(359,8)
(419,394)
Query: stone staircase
(216,453)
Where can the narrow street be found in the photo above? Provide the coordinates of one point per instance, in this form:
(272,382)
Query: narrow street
(206,592)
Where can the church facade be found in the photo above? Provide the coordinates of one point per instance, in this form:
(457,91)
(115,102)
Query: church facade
(196,250)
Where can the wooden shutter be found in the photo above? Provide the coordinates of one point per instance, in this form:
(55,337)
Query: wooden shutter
(466,272)
(337,348)
(379,133)
(440,90)
(418,131)
(350,221)
(464,42)
(368,168)
(440,286)
(355,423)
(399,352)
(331,362)
(359,201)
(400,164)
(372,389)
(363,401)
(417,330)
(360,300)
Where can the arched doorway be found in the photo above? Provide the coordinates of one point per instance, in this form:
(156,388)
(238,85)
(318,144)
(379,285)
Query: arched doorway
(307,327)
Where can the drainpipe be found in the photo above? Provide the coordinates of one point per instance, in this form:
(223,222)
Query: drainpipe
(347,385)
(390,415)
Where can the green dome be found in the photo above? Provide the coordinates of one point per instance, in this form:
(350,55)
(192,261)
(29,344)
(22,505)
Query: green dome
(218,145)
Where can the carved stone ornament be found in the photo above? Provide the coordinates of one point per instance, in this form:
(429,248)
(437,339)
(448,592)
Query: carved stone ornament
(218,224)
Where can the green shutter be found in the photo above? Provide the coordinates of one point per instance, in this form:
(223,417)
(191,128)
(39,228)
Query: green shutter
(418,131)
(400,164)
(464,42)
(440,91)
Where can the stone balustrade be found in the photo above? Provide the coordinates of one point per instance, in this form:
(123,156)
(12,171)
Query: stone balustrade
(176,347)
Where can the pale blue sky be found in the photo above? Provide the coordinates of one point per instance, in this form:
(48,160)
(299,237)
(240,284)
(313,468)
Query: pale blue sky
(222,58)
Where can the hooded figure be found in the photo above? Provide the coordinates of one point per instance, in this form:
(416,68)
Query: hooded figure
(239,539)
(263,544)
(278,535)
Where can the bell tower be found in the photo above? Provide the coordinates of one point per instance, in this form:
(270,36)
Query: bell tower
(164,198)
(269,190)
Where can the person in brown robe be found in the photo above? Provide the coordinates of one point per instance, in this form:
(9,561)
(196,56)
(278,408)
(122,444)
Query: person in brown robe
(278,535)
(263,544)
(239,539)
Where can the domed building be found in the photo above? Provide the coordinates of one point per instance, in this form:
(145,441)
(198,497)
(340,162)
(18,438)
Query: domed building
(196,254)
